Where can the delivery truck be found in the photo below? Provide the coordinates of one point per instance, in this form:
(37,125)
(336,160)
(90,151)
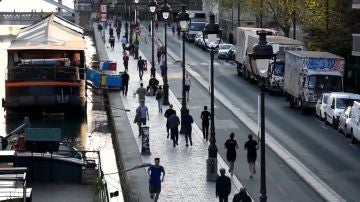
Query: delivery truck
(281,44)
(308,74)
(241,35)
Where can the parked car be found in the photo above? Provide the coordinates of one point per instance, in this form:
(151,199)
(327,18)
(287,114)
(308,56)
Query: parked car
(344,121)
(338,102)
(226,51)
(354,123)
(320,106)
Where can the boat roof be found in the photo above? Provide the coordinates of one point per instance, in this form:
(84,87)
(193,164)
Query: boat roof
(50,33)
(315,54)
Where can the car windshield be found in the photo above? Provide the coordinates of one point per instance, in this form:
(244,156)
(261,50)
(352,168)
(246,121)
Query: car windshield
(224,46)
(197,26)
(325,83)
(279,69)
(342,103)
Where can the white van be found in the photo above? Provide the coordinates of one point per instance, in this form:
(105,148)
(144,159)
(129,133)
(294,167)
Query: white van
(336,104)
(354,123)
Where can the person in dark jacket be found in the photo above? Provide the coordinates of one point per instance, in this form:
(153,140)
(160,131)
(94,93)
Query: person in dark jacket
(111,31)
(173,122)
(223,186)
(125,82)
(242,196)
(188,120)
(170,111)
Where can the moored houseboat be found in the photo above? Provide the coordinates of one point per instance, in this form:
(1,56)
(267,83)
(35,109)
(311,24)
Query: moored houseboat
(46,68)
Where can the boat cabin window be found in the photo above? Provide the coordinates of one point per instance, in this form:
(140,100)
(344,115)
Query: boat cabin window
(55,59)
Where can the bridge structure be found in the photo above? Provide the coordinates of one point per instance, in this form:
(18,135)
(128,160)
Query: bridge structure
(21,18)
(25,18)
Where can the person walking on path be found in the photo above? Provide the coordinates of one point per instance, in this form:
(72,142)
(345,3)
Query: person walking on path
(141,92)
(223,186)
(123,42)
(251,146)
(153,86)
(231,145)
(112,42)
(187,86)
(158,54)
(142,113)
(173,28)
(118,32)
(125,82)
(156,25)
(140,67)
(155,179)
(111,31)
(163,69)
(205,117)
(173,121)
(242,196)
(126,61)
(159,98)
(167,114)
(188,121)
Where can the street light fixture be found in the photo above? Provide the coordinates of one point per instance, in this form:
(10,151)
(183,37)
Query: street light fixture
(137,30)
(212,32)
(184,21)
(152,5)
(165,9)
(136,4)
(261,56)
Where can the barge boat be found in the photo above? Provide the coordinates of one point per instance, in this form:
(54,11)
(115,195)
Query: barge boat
(46,69)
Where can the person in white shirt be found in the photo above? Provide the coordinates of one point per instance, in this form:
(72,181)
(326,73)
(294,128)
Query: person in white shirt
(187,86)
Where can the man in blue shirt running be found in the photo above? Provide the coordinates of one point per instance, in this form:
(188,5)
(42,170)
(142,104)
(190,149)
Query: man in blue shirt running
(154,172)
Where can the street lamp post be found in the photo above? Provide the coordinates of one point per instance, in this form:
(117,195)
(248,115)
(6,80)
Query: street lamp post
(212,31)
(261,56)
(165,9)
(184,20)
(136,41)
(152,6)
(136,4)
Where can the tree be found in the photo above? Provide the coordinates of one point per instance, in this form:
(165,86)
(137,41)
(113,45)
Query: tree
(280,11)
(325,36)
(210,4)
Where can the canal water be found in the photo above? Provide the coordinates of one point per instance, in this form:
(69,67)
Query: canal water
(75,130)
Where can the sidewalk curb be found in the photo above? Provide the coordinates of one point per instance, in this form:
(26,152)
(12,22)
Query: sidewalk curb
(325,191)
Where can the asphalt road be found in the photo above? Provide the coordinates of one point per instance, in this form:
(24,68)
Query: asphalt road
(282,183)
(322,149)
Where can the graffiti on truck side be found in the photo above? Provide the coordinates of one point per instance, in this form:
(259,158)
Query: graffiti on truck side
(325,64)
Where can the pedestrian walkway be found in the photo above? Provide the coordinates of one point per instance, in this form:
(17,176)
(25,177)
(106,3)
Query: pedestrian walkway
(185,167)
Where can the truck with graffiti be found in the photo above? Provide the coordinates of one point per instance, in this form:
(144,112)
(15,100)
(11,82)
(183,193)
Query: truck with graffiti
(308,74)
